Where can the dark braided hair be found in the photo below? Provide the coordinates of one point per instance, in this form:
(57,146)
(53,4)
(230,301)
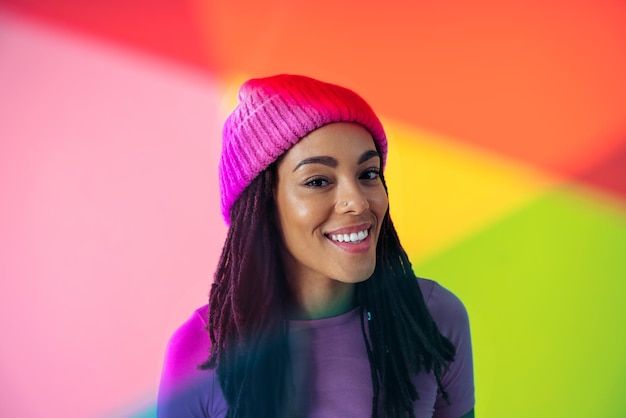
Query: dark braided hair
(248,318)
(403,338)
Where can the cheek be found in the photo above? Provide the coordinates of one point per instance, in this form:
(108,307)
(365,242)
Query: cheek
(379,203)
(301,209)
(294,213)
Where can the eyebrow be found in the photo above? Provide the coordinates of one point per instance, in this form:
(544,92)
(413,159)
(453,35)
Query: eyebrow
(332,162)
(368,155)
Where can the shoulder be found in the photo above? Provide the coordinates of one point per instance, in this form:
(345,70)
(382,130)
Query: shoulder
(444,306)
(194,327)
(187,348)
(449,314)
(185,390)
(452,320)
(189,345)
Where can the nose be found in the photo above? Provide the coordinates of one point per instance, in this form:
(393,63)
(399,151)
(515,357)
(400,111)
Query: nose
(351,199)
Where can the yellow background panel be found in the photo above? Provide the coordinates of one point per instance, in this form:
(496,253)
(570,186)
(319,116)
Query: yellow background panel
(442,191)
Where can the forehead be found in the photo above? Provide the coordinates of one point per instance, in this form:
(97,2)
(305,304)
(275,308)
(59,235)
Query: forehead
(341,140)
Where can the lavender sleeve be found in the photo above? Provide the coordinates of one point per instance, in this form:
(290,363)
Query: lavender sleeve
(184,390)
(451,318)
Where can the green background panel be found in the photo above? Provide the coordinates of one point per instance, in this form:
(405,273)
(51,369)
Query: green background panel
(545,292)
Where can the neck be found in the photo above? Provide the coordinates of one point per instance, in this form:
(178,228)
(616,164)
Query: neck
(323,300)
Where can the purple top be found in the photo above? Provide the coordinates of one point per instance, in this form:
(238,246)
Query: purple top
(331,368)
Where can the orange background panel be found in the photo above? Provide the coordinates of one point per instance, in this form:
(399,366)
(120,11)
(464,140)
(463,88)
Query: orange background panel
(534,80)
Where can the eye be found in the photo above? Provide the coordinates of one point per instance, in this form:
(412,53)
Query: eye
(316,182)
(370,174)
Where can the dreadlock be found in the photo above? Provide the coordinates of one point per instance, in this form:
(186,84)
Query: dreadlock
(248,318)
(403,338)
(247,309)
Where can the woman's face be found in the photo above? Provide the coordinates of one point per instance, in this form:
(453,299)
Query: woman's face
(330,202)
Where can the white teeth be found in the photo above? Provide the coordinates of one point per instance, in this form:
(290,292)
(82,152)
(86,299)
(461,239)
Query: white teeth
(354,237)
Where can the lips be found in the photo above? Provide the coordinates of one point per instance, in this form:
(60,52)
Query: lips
(354,239)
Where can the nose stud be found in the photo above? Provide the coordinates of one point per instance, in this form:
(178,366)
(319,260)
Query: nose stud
(347,203)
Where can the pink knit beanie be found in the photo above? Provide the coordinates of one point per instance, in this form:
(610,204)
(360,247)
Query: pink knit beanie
(273,114)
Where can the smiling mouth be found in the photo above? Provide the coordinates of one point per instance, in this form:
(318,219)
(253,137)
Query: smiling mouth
(352,238)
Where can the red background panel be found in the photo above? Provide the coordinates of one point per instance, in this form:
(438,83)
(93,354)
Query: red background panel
(537,81)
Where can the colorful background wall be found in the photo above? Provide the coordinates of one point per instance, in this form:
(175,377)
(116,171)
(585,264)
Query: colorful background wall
(507,123)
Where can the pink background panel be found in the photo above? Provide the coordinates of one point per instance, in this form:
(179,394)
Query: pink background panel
(107,173)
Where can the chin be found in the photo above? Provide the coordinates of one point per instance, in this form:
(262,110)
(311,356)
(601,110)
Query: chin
(357,277)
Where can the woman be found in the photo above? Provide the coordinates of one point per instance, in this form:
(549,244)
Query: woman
(314,310)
